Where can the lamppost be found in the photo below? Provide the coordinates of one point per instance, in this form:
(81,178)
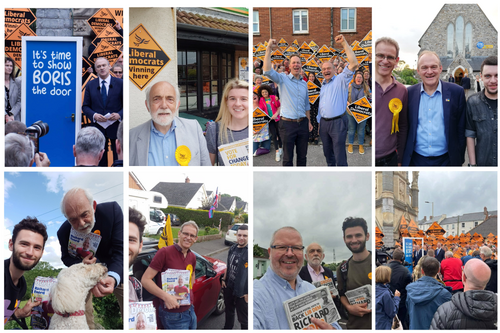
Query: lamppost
(432,202)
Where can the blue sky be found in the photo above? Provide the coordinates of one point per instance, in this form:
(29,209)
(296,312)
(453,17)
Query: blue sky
(39,194)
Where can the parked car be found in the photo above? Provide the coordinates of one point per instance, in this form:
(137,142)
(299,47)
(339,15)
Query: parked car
(174,220)
(230,237)
(207,286)
(155,223)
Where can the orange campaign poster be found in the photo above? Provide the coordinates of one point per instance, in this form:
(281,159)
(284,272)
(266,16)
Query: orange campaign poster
(366,42)
(13,43)
(313,91)
(289,51)
(306,51)
(260,53)
(100,20)
(260,119)
(282,44)
(277,57)
(110,35)
(117,14)
(311,67)
(324,53)
(313,46)
(413,229)
(14,17)
(435,229)
(295,44)
(359,52)
(361,110)
(105,50)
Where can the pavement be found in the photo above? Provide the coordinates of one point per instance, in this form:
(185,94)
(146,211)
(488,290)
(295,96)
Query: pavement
(316,157)
(210,248)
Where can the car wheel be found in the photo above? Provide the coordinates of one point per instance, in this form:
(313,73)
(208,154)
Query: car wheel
(226,242)
(159,231)
(220,307)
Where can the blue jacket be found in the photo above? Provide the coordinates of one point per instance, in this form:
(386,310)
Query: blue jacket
(424,297)
(387,306)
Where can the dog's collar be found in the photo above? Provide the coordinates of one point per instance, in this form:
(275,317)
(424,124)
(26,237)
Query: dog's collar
(77,313)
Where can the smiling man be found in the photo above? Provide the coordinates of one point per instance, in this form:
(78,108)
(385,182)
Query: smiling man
(313,271)
(27,244)
(177,256)
(436,118)
(482,118)
(106,219)
(156,142)
(356,271)
(281,282)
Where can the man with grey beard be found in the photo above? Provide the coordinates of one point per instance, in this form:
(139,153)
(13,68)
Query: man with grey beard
(167,140)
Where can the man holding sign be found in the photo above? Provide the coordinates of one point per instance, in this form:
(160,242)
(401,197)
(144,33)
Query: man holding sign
(332,117)
(295,125)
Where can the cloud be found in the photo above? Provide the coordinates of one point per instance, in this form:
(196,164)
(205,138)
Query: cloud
(52,253)
(53,181)
(7,235)
(7,185)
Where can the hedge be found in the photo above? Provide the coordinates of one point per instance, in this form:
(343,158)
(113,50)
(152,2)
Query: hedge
(201,217)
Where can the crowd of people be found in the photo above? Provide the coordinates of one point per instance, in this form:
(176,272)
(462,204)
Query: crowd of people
(295,121)
(449,287)
(433,122)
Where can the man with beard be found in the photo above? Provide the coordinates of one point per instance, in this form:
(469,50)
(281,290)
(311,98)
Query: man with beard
(85,216)
(235,281)
(136,226)
(294,124)
(281,282)
(167,140)
(436,118)
(482,121)
(27,244)
(313,271)
(356,272)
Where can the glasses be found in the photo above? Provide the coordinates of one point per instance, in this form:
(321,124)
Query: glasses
(383,56)
(117,72)
(284,248)
(188,235)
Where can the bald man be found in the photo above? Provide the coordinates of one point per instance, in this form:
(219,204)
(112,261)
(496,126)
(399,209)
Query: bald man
(475,308)
(313,271)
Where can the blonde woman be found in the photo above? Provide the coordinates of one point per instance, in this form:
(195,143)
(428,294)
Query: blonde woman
(387,303)
(231,123)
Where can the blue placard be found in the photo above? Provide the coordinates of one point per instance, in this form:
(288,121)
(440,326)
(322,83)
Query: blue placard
(408,249)
(480,45)
(52,92)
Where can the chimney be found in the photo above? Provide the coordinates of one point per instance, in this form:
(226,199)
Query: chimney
(187,181)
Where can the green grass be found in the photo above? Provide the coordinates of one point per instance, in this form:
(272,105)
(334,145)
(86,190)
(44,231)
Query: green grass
(175,232)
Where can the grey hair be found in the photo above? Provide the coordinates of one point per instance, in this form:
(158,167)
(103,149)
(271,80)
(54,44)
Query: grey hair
(119,133)
(390,41)
(19,151)
(72,192)
(448,254)
(486,251)
(90,141)
(257,76)
(191,223)
(284,228)
(102,58)
(177,95)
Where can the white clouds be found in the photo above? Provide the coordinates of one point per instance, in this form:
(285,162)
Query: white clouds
(53,181)
(7,185)
(7,235)
(52,252)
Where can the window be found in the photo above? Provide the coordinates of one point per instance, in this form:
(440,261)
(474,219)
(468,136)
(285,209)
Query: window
(300,21)
(459,35)
(463,224)
(451,36)
(157,199)
(447,226)
(347,19)
(476,223)
(256,26)
(468,40)
(453,226)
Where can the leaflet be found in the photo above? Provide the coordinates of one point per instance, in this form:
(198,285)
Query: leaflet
(141,316)
(360,295)
(80,245)
(176,282)
(328,283)
(41,314)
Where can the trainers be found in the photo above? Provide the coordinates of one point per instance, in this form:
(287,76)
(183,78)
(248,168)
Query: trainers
(278,156)
(361,149)
(350,149)
(281,151)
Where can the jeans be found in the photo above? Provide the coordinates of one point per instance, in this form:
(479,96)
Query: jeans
(353,126)
(265,144)
(333,134)
(177,320)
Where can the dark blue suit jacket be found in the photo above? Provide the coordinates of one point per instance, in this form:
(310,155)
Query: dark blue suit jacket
(109,221)
(92,103)
(454,107)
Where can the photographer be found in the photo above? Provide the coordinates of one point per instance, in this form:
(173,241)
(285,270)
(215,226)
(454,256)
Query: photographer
(20,152)
(15,126)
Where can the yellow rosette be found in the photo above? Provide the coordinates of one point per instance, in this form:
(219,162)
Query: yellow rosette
(183,155)
(395,105)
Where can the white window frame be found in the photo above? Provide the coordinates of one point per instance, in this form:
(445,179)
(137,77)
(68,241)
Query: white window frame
(254,22)
(355,19)
(300,31)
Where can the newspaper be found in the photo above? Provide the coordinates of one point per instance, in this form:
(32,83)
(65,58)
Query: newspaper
(360,295)
(176,282)
(328,283)
(41,314)
(141,316)
(317,303)
(235,153)
(81,245)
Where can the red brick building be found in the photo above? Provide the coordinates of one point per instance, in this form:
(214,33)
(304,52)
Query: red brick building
(320,25)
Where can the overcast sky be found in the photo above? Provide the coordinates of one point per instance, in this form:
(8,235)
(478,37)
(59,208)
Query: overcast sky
(406,22)
(456,192)
(315,203)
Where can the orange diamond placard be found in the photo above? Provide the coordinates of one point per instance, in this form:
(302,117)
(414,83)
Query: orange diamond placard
(362,110)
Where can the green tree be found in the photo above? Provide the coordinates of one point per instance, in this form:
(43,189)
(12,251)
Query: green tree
(44,269)
(257,251)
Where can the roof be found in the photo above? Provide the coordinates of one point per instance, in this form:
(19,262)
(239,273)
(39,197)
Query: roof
(211,22)
(178,194)
(468,217)
(474,62)
(240,204)
(225,203)
(487,227)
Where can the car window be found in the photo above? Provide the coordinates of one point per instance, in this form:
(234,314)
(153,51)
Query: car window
(235,227)
(201,268)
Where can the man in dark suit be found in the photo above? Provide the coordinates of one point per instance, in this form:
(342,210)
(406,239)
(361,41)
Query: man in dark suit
(466,85)
(103,104)
(436,118)
(85,216)
(439,252)
(417,254)
(313,271)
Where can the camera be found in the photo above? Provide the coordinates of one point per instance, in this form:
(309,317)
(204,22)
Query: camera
(36,131)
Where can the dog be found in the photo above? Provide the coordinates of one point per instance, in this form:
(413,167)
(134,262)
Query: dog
(68,295)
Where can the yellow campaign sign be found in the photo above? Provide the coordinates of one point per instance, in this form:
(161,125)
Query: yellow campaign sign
(282,44)
(366,42)
(435,229)
(295,44)
(324,53)
(266,43)
(110,35)
(100,20)
(311,67)
(260,119)
(277,57)
(412,226)
(289,51)
(117,14)
(306,51)
(14,17)
(105,50)
(146,57)
(13,43)
(313,92)
(362,110)
(261,52)
(313,46)
(403,225)
(303,59)
(359,52)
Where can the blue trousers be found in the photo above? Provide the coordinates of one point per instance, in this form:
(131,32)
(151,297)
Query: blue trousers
(178,320)
(353,127)
(333,134)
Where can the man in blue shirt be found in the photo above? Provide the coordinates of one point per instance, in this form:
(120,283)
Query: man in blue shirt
(332,117)
(281,282)
(436,118)
(294,125)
